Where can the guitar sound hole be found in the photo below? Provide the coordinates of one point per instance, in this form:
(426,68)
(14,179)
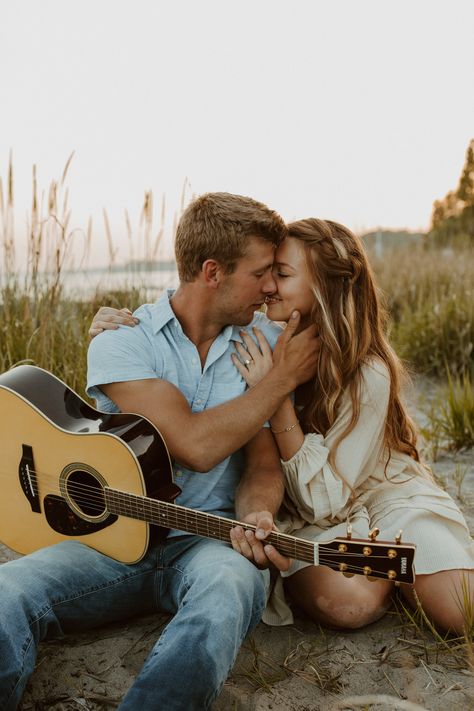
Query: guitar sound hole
(86,493)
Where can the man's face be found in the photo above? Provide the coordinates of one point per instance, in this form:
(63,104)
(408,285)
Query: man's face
(245,290)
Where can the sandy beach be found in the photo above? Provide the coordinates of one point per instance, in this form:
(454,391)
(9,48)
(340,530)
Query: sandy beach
(396,663)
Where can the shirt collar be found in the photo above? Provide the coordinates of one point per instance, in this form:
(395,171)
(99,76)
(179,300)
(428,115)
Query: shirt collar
(162,313)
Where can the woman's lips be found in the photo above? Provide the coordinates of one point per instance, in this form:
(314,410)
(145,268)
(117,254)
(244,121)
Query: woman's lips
(272,300)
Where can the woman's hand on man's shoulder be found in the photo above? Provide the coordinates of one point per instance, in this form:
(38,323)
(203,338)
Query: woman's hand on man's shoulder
(109,319)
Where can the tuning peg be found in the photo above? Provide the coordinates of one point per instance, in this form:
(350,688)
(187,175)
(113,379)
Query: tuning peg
(349,531)
(374,533)
(398,537)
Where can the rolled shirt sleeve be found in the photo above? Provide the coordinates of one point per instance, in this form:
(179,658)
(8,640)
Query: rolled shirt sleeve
(119,356)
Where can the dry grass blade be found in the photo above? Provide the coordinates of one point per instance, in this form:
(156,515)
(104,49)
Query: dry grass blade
(304,662)
(66,167)
(110,242)
(255,674)
(10,181)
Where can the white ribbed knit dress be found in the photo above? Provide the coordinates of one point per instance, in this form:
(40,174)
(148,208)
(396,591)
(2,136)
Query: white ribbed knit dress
(320,502)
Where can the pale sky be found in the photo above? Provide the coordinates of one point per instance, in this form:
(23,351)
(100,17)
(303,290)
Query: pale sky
(354,110)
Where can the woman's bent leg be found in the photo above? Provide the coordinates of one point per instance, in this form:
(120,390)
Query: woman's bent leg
(336,601)
(63,588)
(218,597)
(447,598)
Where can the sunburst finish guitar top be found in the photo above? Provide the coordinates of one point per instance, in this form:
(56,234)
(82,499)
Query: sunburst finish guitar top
(69,471)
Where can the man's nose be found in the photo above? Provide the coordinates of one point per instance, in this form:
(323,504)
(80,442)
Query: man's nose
(269,285)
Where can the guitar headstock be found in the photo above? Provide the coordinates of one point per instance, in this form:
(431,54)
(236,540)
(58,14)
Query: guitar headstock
(375,559)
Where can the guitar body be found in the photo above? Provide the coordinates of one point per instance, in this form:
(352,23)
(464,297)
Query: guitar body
(54,447)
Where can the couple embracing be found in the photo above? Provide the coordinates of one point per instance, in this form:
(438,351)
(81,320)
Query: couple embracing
(301,427)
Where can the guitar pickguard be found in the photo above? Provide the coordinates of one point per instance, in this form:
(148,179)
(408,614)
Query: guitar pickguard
(63,520)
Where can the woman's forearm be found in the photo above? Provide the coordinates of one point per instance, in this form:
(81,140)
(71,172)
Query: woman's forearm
(286,430)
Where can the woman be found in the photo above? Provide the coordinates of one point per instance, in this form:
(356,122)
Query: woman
(347,445)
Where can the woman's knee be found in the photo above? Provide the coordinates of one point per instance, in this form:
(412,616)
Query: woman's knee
(344,604)
(353,612)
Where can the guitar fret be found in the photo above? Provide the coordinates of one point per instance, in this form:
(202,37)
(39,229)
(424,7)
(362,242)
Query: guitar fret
(201,523)
(334,554)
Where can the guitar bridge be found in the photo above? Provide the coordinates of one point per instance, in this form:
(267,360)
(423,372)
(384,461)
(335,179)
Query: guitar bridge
(28,479)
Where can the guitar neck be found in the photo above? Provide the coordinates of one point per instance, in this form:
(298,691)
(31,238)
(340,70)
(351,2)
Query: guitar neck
(181,518)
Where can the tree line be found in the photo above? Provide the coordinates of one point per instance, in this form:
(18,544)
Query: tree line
(452,219)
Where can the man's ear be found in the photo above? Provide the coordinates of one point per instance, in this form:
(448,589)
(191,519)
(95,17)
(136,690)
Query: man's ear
(212,273)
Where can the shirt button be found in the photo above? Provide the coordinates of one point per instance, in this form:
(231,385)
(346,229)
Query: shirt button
(198,402)
(179,473)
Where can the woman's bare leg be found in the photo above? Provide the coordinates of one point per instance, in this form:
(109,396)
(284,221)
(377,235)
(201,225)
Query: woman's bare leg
(336,601)
(442,597)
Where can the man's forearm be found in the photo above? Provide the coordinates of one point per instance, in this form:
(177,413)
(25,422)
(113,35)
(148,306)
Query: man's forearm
(259,493)
(222,430)
(199,441)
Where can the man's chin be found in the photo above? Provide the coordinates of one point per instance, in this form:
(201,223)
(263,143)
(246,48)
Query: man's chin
(246,318)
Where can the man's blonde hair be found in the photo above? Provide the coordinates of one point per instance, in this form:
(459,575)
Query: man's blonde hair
(219,226)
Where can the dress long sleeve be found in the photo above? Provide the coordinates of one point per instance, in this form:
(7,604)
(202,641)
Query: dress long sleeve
(319,490)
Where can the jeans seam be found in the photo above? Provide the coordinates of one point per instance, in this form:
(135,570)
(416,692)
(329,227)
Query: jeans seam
(159,589)
(20,673)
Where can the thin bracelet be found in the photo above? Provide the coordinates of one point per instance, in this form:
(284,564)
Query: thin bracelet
(287,429)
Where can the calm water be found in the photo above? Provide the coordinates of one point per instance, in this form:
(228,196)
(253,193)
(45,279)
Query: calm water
(84,283)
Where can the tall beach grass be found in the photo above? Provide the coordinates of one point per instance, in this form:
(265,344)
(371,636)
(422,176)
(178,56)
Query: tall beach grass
(430,298)
(429,294)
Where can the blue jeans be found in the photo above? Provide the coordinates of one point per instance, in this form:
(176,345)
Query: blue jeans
(217,597)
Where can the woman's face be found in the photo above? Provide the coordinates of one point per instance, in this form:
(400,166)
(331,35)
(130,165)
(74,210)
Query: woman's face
(293,280)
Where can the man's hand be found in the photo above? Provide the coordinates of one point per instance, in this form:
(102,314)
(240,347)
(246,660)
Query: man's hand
(297,354)
(252,545)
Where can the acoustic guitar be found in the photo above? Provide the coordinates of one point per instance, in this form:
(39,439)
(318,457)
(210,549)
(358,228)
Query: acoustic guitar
(69,471)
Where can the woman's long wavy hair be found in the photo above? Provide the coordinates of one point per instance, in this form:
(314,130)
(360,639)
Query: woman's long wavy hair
(352,326)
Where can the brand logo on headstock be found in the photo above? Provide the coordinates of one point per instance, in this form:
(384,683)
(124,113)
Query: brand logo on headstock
(403,565)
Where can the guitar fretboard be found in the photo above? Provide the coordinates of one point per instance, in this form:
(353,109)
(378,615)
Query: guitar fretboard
(162,513)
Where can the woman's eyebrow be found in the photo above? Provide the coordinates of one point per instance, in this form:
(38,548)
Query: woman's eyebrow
(283,264)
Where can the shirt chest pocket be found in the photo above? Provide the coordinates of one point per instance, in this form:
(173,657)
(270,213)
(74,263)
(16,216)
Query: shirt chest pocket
(226,386)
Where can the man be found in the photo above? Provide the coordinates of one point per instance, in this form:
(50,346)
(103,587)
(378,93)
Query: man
(175,368)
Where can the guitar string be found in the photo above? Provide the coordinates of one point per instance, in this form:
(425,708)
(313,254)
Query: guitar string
(145,501)
(291,547)
(100,497)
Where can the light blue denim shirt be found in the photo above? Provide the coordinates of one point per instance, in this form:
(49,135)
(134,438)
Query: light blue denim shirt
(158,348)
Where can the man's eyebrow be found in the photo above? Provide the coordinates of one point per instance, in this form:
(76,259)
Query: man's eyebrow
(263,268)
